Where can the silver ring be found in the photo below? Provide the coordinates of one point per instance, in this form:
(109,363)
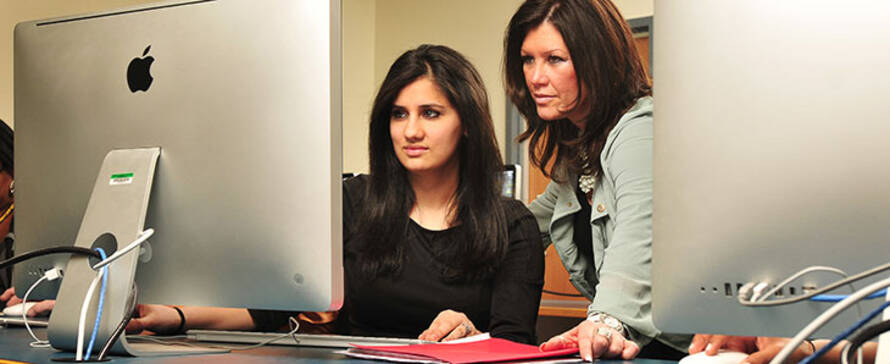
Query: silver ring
(602,331)
(467,329)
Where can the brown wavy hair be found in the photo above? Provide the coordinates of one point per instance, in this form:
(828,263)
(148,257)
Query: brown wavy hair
(607,65)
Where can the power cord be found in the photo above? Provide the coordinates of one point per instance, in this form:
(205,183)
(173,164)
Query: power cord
(131,306)
(294,325)
(49,275)
(828,288)
(81,323)
(799,274)
(141,239)
(99,309)
(866,334)
(845,334)
(820,320)
(54,250)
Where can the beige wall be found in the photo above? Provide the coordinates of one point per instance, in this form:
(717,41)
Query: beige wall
(636,8)
(359,85)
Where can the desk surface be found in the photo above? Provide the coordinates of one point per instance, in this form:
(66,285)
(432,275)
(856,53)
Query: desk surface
(14,346)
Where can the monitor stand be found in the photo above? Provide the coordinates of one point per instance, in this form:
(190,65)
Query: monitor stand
(115,216)
(883,356)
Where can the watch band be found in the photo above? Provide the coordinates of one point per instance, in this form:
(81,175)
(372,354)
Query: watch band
(608,320)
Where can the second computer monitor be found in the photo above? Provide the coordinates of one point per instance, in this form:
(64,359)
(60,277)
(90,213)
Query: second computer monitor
(771,155)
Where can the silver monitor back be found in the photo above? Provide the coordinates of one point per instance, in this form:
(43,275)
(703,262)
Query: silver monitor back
(245,105)
(771,155)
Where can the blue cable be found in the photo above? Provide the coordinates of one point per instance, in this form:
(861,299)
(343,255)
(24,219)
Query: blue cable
(840,297)
(101,303)
(846,333)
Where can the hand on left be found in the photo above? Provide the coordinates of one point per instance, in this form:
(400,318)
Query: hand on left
(594,340)
(449,325)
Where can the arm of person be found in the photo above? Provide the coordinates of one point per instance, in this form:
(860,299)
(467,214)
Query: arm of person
(763,349)
(625,275)
(624,287)
(165,320)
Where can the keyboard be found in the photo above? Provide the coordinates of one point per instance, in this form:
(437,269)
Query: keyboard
(317,340)
(17,321)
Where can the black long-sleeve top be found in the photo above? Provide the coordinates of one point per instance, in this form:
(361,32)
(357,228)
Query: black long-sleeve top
(403,305)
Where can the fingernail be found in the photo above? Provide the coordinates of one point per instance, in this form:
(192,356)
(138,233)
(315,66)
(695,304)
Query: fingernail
(587,358)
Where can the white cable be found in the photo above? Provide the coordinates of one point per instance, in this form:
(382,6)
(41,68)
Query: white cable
(798,275)
(294,324)
(81,325)
(825,316)
(141,239)
(758,290)
(37,343)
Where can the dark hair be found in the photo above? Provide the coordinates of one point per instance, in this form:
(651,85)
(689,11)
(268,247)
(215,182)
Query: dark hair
(608,68)
(389,197)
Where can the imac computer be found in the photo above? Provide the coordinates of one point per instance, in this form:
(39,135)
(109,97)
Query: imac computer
(772,154)
(225,115)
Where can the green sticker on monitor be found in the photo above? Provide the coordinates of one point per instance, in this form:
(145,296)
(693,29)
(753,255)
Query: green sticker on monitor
(121,179)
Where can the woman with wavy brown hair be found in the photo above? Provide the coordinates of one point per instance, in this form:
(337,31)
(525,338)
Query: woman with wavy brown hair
(572,69)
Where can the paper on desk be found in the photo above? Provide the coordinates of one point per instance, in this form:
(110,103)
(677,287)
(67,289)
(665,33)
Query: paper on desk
(469,339)
(482,351)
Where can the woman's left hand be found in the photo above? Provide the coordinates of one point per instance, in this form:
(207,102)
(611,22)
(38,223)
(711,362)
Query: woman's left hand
(449,325)
(594,340)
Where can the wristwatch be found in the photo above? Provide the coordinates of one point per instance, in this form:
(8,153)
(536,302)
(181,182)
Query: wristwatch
(606,319)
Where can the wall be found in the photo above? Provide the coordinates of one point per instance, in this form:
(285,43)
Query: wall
(635,8)
(359,85)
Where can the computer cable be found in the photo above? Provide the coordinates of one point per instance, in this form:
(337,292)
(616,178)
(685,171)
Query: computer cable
(830,287)
(54,250)
(98,309)
(141,239)
(294,325)
(50,275)
(763,297)
(824,317)
(838,297)
(845,334)
(81,323)
(859,339)
(799,274)
(131,306)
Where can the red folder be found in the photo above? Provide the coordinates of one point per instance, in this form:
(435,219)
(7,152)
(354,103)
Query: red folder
(484,351)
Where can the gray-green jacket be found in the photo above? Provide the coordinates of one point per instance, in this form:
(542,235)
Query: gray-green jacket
(621,222)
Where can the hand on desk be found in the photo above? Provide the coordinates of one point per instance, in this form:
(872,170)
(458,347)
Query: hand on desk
(449,325)
(588,337)
(40,308)
(760,349)
(158,319)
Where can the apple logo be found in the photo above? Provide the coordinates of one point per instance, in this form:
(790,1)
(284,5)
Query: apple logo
(138,73)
